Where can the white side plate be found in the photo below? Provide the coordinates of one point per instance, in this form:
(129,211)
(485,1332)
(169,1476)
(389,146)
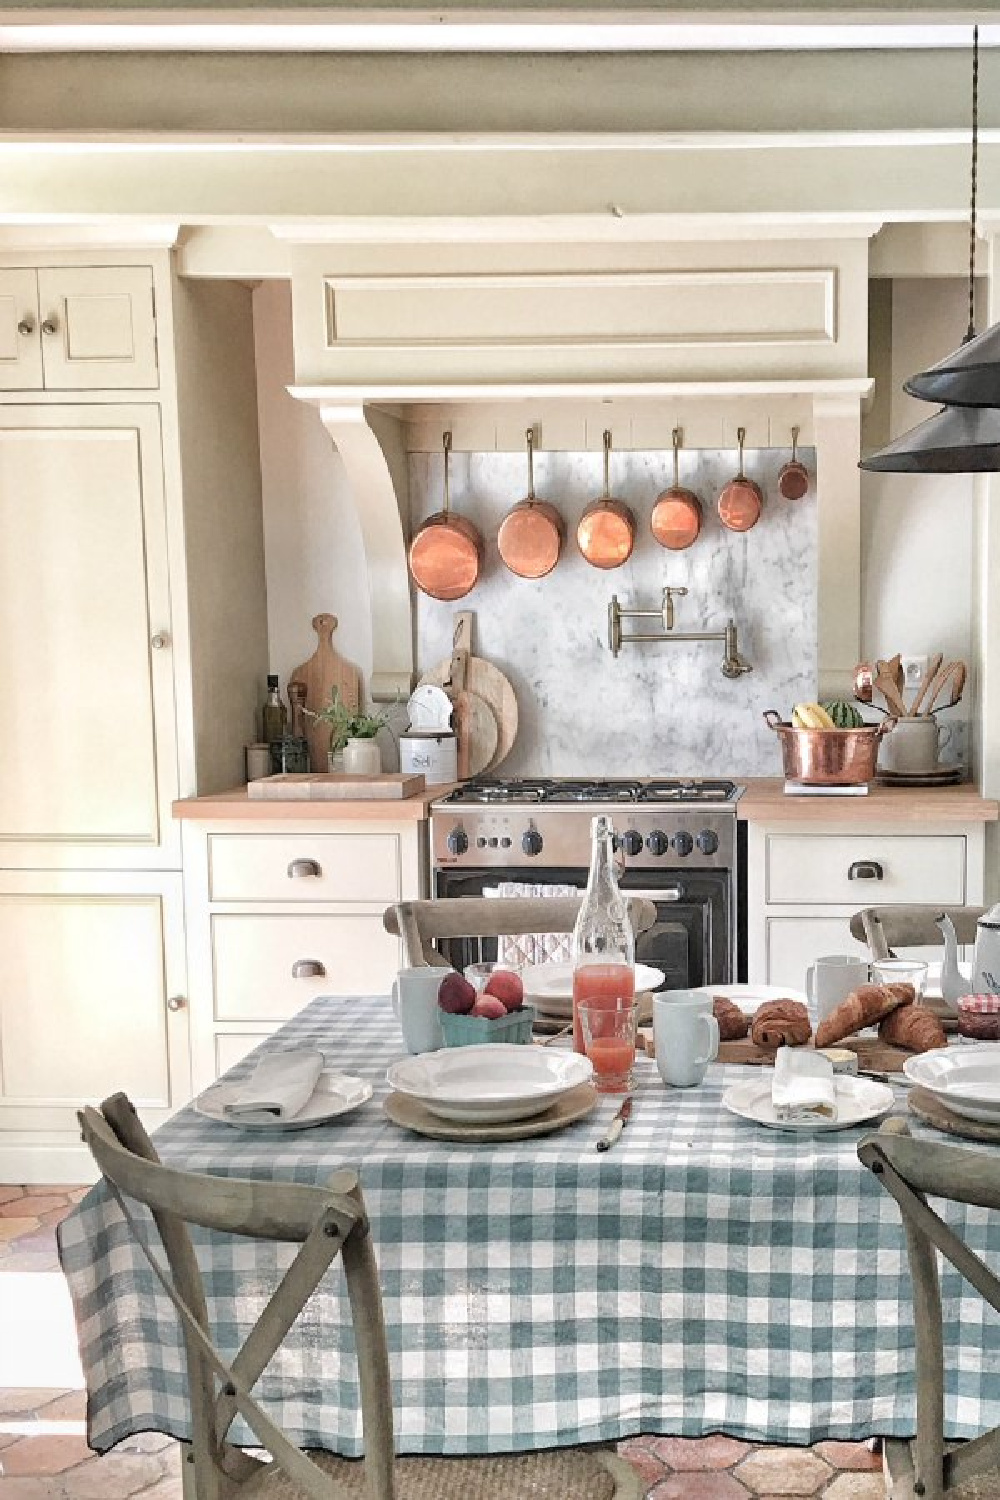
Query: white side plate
(335,1094)
(858,1099)
(549,987)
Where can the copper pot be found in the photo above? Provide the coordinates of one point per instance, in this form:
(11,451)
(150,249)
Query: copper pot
(793,481)
(606,531)
(676,518)
(828,757)
(530,535)
(741,500)
(446,553)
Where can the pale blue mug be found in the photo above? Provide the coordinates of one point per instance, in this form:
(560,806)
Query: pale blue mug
(685,1034)
(414,1001)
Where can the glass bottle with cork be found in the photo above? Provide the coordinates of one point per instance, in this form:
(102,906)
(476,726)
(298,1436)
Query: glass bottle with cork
(273,715)
(603,941)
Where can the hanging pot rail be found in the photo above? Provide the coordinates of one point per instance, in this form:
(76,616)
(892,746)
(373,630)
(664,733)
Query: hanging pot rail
(733,664)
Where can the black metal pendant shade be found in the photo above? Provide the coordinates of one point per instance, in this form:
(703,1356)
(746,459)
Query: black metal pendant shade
(956,440)
(969,377)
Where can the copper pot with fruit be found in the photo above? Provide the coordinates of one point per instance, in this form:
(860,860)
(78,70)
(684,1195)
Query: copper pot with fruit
(828,757)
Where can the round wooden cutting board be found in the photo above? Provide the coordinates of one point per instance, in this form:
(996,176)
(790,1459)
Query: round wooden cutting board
(487,682)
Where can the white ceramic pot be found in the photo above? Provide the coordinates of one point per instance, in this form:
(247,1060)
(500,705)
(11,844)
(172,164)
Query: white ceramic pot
(434,754)
(362,758)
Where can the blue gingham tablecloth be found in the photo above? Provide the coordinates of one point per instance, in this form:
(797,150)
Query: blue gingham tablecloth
(705,1275)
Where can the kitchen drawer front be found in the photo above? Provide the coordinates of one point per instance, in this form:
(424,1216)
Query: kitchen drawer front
(811,868)
(304,867)
(263,963)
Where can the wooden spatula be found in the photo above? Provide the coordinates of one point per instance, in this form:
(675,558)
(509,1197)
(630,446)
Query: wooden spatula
(932,669)
(885,681)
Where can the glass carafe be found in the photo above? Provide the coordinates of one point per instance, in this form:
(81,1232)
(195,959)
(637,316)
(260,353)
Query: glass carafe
(603,942)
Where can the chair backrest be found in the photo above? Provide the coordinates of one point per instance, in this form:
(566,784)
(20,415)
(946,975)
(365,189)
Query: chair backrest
(325,1222)
(423,924)
(884,929)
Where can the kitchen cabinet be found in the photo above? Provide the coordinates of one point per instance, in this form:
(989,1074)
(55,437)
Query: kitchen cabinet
(76,328)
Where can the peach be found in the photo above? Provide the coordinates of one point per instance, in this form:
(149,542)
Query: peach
(489,1007)
(507,987)
(456,995)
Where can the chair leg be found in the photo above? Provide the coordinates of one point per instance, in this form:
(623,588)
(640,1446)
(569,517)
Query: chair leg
(928,1445)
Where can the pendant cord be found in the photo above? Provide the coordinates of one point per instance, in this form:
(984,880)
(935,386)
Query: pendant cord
(972,206)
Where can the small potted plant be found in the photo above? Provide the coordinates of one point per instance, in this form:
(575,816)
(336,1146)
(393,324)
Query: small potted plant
(353,735)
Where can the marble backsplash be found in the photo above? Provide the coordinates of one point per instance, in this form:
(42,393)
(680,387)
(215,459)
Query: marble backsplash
(662,709)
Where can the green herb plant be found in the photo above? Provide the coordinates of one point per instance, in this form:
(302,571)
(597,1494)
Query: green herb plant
(345,724)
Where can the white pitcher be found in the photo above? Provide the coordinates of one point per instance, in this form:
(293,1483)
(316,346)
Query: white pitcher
(985,963)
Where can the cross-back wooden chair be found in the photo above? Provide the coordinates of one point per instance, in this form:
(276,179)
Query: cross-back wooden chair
(911,1170)
(884,929)
(324,1221)
(422,925)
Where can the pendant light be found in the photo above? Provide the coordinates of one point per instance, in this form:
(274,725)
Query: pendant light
(964,437)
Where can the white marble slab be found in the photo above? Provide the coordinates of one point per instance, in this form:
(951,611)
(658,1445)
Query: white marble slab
(658,709)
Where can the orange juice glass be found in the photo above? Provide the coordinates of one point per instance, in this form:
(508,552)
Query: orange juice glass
(607,983)
(608,1024)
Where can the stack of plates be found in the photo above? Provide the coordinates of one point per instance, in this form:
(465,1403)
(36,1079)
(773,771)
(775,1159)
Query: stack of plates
(944,775)
(493,1083)
(965,1079)
(549,988)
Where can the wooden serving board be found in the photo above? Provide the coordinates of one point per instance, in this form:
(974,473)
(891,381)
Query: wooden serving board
(319,786)
(872,1054)
(928,1106)
(325,670)
(487,682)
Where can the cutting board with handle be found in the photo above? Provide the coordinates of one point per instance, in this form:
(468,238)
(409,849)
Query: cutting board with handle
(471,717)
(325,670)
(872,1053)
(487,682)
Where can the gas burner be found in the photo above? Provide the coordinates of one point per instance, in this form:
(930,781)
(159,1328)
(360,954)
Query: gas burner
(687,791)
(568,790)
(593,791)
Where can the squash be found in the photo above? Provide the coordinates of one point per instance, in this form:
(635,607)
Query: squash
(844,715)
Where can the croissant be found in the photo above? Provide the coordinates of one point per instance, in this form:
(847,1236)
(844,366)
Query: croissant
(912,1026)
(780,1023)
(733,1024)
(863,1007)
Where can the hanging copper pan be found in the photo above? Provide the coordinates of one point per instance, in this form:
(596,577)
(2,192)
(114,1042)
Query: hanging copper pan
(741,499)
(606,531)
(446,553)
(530,535)
(793,481)
(676,518)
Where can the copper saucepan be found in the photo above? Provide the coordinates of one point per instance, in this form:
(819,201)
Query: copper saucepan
(676,518)
(606,531)
(446,553)
(741,499)
(793,481)
(530,535)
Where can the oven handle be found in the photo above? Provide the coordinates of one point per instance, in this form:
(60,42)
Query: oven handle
(664,893)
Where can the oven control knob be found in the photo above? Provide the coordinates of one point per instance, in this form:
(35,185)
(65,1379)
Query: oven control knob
(531,842)
(707,841)
(632,841)
(683,844)
(458,841)
(657,842)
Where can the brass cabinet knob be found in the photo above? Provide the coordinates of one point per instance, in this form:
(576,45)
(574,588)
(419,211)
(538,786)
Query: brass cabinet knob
(25,327)
(176,1002)
(302,867)
(49,327)
(159,641)
(307,968)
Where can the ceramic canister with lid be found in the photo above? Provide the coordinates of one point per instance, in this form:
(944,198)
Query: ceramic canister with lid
(432,752)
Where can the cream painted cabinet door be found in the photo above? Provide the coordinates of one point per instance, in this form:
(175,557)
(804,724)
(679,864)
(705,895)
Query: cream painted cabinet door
(97,326)
(88,764)
(20,340)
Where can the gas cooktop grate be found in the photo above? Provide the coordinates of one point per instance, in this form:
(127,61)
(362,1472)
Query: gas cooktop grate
(587,791)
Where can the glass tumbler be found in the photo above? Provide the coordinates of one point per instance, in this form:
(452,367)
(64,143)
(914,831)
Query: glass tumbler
(901,971)
(609,1025)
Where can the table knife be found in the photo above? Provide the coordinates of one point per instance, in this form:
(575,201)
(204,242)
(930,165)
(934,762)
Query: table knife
(617,1125)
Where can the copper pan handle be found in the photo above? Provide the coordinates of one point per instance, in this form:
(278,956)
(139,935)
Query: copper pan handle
(607,464)
(529,438)
(772,718)
(446,444)
(676,439)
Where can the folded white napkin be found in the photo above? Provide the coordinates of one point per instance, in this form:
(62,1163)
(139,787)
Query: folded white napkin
(803,1085)
(280,1085)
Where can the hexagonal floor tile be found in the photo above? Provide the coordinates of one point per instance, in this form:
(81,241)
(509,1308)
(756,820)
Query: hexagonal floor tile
(783,1471)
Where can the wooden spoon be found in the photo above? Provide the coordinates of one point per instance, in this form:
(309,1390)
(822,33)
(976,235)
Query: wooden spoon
(956,671)
(937,684)
(885,681)
(931,671)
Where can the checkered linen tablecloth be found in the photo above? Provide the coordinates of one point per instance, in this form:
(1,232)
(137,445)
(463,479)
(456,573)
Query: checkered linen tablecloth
(704,1275)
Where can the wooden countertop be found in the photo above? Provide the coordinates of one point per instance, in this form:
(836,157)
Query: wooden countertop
(237,805)
(766,801)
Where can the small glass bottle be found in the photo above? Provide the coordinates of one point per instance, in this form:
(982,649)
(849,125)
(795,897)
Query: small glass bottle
(274,715)
(603,941)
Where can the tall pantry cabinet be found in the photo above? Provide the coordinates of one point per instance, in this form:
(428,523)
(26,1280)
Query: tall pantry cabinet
(132,653)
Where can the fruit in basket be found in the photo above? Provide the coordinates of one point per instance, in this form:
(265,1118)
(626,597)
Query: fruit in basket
(843,714)
(489,1008)
(506,986)
(456,995)
(811,716)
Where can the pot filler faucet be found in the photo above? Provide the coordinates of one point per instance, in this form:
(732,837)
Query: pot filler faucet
(733,664)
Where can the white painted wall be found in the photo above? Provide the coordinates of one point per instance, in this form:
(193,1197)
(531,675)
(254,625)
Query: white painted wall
(314,560)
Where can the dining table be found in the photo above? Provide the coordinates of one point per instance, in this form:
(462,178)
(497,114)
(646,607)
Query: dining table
(706,1274)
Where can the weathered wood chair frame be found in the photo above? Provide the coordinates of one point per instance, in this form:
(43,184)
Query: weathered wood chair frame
(423,924)
(885,928)
(910,1170)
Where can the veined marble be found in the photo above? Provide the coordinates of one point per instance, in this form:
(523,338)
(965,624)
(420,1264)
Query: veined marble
(657,709)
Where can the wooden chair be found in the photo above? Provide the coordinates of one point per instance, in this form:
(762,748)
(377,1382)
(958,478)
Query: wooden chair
(885,928)
(424,924)
(910,1169)
(324,1221)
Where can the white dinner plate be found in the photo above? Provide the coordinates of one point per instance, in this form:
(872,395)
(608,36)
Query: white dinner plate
(858,1099)
(549,987)
(749,996)
(335,1094)
(966,1078)
(496,1081)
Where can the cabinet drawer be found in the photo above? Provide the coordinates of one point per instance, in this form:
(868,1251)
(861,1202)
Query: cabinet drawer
(255,958)
(817,868)
(304,867)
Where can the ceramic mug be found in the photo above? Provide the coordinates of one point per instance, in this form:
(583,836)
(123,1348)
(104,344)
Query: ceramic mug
(831,979)
(685,1035)
(414,1001)
(914,746)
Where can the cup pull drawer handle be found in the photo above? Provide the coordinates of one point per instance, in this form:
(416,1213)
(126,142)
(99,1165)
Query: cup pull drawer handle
(300,867)
(307,968)
(865,869)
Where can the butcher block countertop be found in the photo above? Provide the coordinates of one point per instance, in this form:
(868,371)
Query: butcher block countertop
(238,806)
(766,801)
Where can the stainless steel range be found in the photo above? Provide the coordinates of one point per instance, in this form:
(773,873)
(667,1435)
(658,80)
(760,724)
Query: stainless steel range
(676,842)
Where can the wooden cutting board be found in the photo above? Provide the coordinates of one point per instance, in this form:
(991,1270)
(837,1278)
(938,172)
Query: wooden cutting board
(313,786)
(487,682)
(473,722)
(873,1055)
(325,670)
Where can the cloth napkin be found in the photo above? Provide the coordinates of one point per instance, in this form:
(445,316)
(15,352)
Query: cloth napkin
(803,1086)
(280,1085)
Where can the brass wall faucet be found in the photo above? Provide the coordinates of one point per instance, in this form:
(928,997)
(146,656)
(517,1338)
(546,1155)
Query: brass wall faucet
(733,664)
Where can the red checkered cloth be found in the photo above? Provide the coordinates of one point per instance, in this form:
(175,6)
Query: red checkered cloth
(980,1004)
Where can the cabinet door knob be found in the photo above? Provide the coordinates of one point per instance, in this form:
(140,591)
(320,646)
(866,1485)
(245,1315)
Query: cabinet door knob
(159,641)
(49,327)
(25,327)
(176,1002)
(865,869)
(300,867)
(307,968)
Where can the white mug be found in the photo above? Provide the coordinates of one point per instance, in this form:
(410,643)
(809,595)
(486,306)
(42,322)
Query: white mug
(414,1001)
(831,979)
(913,746)
(685,1034)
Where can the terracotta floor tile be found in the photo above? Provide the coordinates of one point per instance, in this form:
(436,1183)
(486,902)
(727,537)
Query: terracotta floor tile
(167,1489)
(21,1401)
(849,1456)
(32,1489)
(49,1454)
(649,1468)
(39,1204)
(783,1471)
(9,1193)
(13,1228)
(68,1406)
(856,1487)
(716,1452)
(695,1486)
(113,1477)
